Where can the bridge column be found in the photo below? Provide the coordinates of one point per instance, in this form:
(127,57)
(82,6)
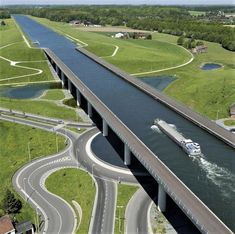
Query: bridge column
(78,95)
(105,128)
(69,86)
(57,69)
(62,79)
(127,155)
(89,109)
(161,198)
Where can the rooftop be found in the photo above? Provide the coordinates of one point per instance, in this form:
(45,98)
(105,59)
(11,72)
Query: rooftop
(6,225)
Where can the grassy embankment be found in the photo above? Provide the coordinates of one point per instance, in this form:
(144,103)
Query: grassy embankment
(125,192)
(204,91)
(229,122)
(54,94)
(73,184)
(44,108)
(133,56)
(18,51)
(14,140)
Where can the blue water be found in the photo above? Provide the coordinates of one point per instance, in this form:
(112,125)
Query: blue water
(212,178)
(158,82)
(24,92)
(210,66)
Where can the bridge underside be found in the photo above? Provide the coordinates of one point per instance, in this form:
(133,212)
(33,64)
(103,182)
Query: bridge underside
(157,191)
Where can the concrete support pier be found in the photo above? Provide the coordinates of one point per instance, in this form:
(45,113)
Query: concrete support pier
(78,95)
(62,79)
(89,109)
(69,86)
(127,155)
(105,128)
(161,198)
(56,69)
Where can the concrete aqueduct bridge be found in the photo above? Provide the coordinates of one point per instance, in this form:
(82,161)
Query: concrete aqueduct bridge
(168,183)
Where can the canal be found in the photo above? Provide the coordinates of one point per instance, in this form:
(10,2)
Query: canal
(211,177)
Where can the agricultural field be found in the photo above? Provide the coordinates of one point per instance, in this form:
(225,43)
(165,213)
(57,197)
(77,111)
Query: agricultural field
(17,137)
(207,92)
(18,62)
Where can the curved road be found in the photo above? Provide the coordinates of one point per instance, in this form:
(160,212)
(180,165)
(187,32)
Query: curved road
(57,216)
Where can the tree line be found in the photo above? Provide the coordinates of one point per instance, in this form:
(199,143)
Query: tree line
(171,20)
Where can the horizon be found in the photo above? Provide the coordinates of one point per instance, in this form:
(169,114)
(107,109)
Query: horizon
(120,2)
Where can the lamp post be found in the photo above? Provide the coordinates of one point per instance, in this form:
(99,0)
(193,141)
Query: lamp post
(29,154)
(37,224)
(217,114)
(56,140)
(25,188)
(92,172)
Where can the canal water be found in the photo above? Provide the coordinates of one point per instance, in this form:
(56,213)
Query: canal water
(24,92)
(211,178)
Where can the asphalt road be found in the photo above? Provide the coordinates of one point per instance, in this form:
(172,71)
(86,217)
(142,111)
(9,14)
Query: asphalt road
(137,212)
(57,215)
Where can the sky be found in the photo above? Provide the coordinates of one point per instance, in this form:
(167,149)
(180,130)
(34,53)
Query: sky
(136,2)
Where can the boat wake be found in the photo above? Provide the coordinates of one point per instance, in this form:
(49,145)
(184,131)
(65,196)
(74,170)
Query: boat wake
(220,176)
(155,128)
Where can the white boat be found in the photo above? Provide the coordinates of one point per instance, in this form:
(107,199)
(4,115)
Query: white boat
(190,147)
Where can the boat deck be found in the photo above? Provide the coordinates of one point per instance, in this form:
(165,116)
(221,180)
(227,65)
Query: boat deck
(170,130)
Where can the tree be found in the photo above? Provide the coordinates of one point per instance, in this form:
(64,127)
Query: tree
(3,23)
(11,205)
(180,40)
(149,37)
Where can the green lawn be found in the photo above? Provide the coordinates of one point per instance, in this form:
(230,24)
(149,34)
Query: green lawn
(74,184)
(19,52)
(207,92)
(54,94)
(229,122)
(14,139)
(133,56)
(125,192)
(44,108)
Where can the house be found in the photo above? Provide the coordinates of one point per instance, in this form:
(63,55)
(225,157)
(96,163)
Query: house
(25,227)
(75,22)
(6,226)
(9,227)
(119,35)
(199,49)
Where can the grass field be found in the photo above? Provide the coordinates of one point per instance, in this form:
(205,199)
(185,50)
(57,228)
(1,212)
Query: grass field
(74,184)
(44,108)
(125,192)
(14,140)
(54,94)
(229,122)
(143,55)
(13,48)
(204,91)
